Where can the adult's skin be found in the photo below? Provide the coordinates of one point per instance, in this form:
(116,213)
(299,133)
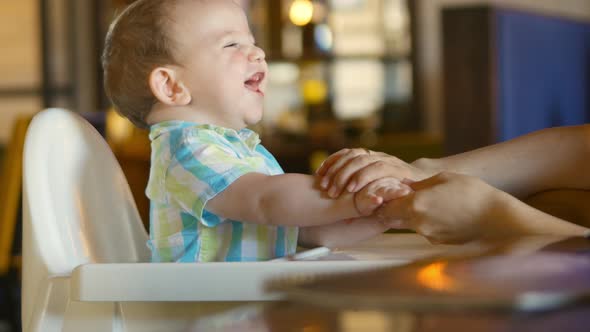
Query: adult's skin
(451,207)
(477,192)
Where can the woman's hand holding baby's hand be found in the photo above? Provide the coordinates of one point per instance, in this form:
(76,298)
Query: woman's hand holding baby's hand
(431,209)
(353,169)
(378,192)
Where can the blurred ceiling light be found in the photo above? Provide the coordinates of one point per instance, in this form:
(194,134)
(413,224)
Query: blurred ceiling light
(301,12)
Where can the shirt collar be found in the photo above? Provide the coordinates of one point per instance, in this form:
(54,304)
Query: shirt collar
(249,137)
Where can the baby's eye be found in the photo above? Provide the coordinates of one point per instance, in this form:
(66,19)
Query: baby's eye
(231,45)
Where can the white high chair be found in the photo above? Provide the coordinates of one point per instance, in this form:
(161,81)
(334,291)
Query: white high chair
(84,253)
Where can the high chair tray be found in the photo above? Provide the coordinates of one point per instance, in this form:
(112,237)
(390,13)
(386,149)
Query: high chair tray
(197,281)
(238,281)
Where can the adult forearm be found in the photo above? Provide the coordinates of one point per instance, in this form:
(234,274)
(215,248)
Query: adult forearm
(548,159)
(514,217)
(567,204)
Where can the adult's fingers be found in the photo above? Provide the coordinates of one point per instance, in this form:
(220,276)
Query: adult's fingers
(428,182)
(367,200)
(337,164)
(407,181)
(341,180)
(389,188)
(389,194)
(376,170)
(399,214)
(325,166)
(344,159)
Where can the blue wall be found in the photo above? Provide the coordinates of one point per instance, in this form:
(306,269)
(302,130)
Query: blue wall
(543,73)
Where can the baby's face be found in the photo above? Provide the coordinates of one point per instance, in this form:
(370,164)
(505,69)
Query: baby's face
(222,67)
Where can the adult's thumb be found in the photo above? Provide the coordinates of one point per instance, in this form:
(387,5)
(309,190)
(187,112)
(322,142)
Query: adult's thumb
(428,182)
(396,211)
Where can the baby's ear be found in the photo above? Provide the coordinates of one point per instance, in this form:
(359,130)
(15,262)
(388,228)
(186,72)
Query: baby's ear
(167,88)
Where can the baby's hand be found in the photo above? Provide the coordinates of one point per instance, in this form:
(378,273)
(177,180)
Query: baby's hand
(369,198)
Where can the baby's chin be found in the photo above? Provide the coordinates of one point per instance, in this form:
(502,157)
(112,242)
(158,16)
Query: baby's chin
(254,119)
(254,116)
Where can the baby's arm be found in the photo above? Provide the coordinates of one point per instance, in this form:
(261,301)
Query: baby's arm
(342,233)
(347,232)
(287,199)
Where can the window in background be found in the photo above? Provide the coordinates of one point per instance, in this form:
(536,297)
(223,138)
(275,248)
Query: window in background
(358,27)
(341,71)
(358,88)
(364,48)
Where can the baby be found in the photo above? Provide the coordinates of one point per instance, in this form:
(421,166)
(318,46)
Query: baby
(190,71)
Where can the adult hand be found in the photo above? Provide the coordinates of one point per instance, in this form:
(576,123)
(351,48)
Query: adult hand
(448,208)
(353,169)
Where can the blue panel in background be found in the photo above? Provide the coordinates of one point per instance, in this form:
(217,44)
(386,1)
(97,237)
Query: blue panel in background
(543,73)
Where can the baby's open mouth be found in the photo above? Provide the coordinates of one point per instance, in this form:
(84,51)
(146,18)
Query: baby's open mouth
(253,83)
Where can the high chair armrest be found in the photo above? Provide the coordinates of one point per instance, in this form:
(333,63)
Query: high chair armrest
(195,282)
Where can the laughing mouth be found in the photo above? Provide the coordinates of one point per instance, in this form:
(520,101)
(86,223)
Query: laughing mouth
(253,83)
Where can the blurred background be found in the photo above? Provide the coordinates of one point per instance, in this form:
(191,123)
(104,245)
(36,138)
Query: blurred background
(408,77)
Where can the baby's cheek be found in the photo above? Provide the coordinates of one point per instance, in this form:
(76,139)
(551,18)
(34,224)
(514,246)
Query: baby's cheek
(241,55)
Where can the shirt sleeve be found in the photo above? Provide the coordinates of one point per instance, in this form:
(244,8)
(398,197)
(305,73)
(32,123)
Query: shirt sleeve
(199,170)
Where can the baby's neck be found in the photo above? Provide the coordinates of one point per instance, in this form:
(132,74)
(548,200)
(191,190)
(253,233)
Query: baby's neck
(161,113)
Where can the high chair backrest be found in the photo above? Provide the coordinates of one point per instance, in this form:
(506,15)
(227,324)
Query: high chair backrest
(77,205)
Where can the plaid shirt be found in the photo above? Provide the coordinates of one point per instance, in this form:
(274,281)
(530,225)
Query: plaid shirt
(192,163)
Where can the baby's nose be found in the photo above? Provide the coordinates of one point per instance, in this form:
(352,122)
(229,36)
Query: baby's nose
(257,54)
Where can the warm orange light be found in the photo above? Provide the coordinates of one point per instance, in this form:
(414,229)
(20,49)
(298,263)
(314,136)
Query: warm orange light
(433,276)
(301,12)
